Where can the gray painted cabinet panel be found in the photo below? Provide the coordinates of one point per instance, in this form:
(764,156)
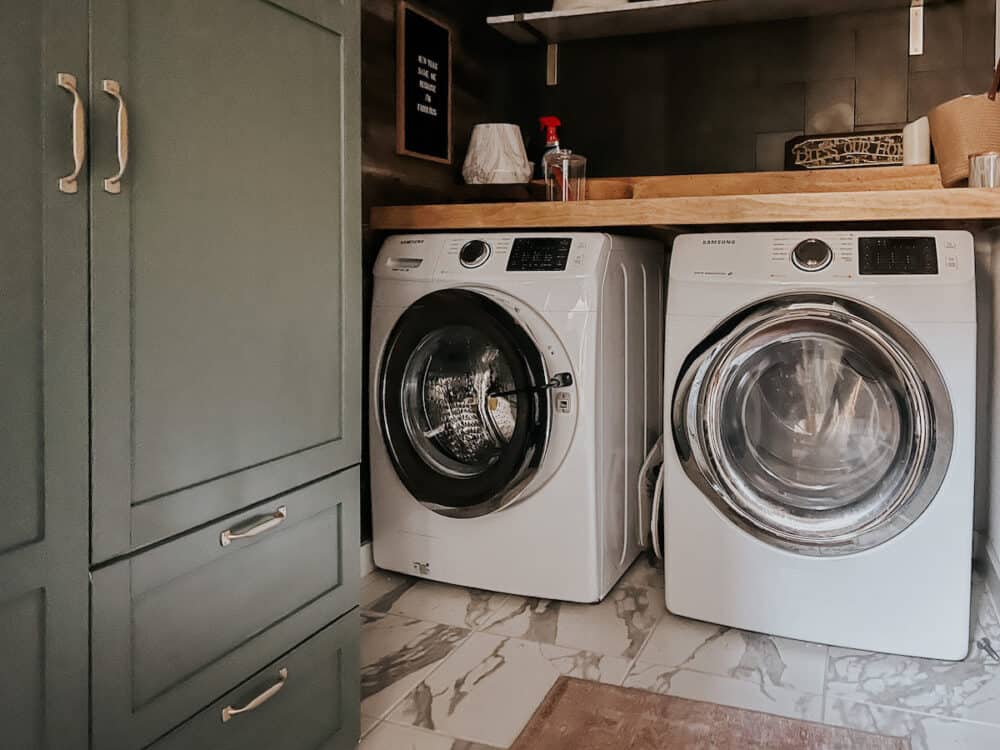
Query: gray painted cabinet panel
(178,625)
(43,382)
(317,707)
(226,275)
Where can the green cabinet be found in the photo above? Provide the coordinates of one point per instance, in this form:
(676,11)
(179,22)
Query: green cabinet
(43,381)
(226,272)
(181,338)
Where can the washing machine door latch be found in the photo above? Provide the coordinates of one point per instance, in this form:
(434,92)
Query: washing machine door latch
(559,380)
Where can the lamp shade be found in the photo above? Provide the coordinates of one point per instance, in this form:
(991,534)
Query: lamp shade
(496,156)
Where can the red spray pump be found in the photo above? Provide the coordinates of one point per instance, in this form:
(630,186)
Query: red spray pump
(550,125)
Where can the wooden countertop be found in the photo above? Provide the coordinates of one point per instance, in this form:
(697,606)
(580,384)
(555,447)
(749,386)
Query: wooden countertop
(939,204)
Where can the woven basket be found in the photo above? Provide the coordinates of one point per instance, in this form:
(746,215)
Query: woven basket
(961,128)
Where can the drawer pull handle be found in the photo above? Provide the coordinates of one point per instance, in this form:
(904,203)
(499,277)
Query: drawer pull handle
(68,184)
(113,88)
(229,712)
(275,519)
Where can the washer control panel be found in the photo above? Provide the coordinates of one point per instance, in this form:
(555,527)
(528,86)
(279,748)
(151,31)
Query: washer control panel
(539,254)
(812,255)
(897,256)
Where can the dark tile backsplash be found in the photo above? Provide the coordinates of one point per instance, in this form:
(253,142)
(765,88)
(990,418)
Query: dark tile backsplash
(944,38)
(778,107)
(880,101)
(830,105)
(721,99)
(883,48)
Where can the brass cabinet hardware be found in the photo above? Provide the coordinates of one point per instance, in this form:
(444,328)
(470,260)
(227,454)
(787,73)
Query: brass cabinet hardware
(276,518)
(114,184)
(68,184)
(229,712)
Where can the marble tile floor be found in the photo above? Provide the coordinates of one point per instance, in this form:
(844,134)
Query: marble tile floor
(449,668)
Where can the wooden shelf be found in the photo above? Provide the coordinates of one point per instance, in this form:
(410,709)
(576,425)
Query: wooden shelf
(926,177)
(653,16)
(957,204)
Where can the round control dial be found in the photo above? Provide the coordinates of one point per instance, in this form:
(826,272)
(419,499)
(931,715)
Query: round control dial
(473,254)
(812,255)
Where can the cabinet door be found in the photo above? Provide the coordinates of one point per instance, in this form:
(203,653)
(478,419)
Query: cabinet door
(43,381)
(226,273)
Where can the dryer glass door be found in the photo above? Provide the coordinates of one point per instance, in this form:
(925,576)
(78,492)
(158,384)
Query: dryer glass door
(464,411)
(817,424)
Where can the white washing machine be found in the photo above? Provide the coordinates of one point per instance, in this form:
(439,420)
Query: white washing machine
(516,387)
(821,397)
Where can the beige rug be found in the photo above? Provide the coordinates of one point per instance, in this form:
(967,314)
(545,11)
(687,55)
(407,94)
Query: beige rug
(580,715)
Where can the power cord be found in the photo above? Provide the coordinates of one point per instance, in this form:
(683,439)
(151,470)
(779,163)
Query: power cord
(653,461)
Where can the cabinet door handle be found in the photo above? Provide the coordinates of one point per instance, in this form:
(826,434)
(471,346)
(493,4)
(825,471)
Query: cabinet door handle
(68,184)
(114,184)
(275,519)
(229,712)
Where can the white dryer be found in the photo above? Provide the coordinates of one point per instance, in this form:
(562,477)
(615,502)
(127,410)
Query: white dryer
(821,397)
(516,386)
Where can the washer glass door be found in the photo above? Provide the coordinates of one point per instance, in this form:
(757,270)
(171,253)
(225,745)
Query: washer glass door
(452,416)
(464,410)
(815,423)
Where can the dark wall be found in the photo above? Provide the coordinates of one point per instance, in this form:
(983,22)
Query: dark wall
(727,99)
(493,82)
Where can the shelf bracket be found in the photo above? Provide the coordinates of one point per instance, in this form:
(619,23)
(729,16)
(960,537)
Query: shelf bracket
(916,27)
(552,65)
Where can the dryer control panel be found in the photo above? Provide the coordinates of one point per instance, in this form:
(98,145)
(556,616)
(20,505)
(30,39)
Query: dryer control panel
(897,256)
(871,257)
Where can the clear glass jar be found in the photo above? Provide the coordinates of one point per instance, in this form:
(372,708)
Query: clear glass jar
(565,176)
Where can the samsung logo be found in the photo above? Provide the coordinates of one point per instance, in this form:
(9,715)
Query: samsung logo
(718,242)
(411,242)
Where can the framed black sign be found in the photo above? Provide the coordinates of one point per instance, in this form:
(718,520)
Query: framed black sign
(423,85)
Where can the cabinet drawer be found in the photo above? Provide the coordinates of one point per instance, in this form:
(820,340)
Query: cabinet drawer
(316,707)
(177,626)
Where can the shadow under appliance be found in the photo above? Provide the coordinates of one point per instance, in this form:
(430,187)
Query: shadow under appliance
(821,400)
(516,386)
